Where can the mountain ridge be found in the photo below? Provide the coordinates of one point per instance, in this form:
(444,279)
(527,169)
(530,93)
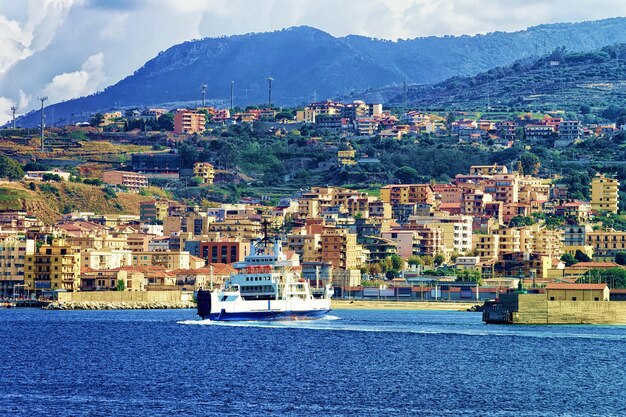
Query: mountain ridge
(307,62)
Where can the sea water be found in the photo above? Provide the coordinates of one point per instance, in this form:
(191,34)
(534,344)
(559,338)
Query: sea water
(354,362)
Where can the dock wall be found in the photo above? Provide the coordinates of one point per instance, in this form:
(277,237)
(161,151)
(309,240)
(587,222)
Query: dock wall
(125,296)
(536,309)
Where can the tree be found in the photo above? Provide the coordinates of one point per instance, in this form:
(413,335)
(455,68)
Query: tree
(406,175)
(468,275)
(374,269)
(519,221)
(530,163)
(166,121)
(121,286)
(569,259)
(397,262)
(96,120)
(620,258)
(10,169)
(415,260)
(580,256)
(439,259)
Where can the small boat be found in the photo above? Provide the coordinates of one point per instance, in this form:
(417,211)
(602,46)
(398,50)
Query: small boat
(266,286)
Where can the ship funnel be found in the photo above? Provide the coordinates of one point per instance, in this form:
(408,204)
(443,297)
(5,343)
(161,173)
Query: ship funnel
(278,246)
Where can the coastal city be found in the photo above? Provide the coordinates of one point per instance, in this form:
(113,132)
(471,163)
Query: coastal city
(486,231)
(289,208)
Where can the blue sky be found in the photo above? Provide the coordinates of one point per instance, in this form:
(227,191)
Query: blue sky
(69,48)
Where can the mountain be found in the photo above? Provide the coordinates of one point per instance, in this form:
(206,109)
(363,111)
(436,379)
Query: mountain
(305,61)
(593,80)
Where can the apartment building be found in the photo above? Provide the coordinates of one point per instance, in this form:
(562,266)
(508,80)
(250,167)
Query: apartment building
(53,267)
(407,194)
(204,171)
(167,260)
(133,181)
(189,122)
(604,194)
(13,252)
(606,244)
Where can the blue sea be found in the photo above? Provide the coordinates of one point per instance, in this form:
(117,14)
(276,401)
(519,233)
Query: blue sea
(355,362)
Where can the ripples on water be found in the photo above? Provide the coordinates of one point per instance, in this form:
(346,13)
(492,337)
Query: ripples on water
(365,363)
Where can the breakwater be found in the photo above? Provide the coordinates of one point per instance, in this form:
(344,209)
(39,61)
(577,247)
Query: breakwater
(122,300)
(405,305)
(118,305)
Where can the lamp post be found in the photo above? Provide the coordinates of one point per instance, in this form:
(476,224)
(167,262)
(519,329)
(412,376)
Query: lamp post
(42,99)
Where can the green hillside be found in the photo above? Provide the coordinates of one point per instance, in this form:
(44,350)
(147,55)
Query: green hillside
(589,82)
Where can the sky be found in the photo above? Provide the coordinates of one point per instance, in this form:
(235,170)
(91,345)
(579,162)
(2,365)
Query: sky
(64,49)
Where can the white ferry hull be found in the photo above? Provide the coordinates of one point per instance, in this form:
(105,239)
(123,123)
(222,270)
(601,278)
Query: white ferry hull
(212,308)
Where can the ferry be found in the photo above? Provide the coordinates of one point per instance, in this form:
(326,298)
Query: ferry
(266,286)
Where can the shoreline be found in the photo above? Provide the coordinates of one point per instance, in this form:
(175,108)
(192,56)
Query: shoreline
(403,305)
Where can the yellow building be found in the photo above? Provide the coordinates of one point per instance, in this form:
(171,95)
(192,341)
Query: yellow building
(346,157)
(606,244)
(487,247)
(204,171)
(577,292)
(153,210)
(168,260)
(54,267)
(604,194)
(547,242)
(239,227)
(13,252)
(307,245)
(407,194)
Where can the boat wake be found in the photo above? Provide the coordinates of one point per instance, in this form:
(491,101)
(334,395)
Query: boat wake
(334,323)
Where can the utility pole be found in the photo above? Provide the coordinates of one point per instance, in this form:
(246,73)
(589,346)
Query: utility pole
(42,99)
(232,89)
(13,109)
(203,87)
(269,92)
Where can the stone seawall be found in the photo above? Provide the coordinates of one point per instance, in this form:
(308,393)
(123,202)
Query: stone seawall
(121,305)
(122,300)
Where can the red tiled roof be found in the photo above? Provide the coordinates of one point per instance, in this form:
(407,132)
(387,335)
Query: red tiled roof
(596,265)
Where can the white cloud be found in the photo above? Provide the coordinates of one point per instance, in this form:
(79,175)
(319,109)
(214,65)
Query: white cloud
(77,83)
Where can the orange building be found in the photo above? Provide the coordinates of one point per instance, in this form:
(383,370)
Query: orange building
(187,121)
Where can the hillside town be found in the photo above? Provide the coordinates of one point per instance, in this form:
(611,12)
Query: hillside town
(361,119)
(489,226)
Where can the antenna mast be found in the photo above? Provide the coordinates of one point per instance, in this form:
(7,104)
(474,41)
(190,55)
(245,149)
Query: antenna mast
(232,88)
(269,93)
(203,87)
(13,109)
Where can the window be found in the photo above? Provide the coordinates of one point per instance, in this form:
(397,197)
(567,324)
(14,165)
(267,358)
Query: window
(573,298)
(551,298)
